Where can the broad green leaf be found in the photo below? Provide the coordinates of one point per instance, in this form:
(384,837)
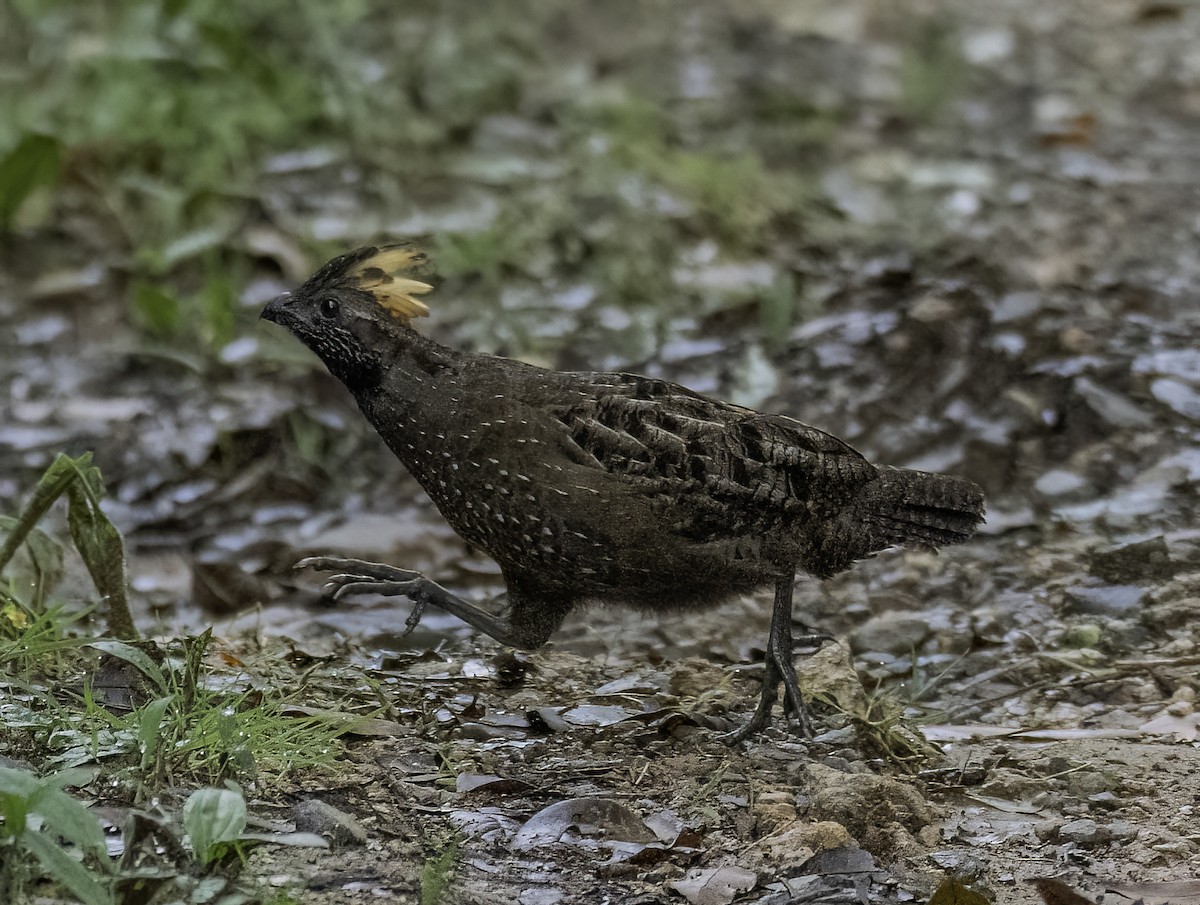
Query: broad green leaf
(135,657)
(159,311)
(19,783)
(66,817)
(212,817)
(14,810)
(149,723)
(953,892)
(63,471)
(102,548)
(36,161)
(37,564)
(60,866)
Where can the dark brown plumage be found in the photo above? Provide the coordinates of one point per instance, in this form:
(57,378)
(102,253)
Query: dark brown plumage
(588,486)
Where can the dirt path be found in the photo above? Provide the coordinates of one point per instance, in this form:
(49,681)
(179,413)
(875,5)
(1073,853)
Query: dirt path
(999,278)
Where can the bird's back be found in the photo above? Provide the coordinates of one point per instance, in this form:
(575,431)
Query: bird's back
(629,488)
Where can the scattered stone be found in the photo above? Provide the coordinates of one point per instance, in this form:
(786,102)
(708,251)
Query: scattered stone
(715,886)
(1179,396)
(1104,801)
(825,834)
(1147,560)
(1017,306)
(540,895)
(1058,483)
(1085,832)
(961,865)
(1115,408)
(578,819)
(315,816)
(1011,785)
(1088,783)
(891,632)
(775,810)
(881,813)
(932,309)
(1105,600)
(789,848)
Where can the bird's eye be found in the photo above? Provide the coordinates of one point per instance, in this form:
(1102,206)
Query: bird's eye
(330,307)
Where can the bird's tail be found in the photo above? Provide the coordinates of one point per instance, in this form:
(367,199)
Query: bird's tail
(922,509)
(904,508)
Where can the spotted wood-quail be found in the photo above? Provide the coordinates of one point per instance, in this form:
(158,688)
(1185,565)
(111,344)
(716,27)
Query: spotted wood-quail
(599,487)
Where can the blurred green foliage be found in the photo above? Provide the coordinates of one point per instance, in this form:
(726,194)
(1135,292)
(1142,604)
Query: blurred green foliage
(161,104)
(159,113)
(934,71)
(166,121)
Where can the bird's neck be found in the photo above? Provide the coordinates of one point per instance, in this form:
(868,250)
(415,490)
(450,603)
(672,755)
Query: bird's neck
(415,385)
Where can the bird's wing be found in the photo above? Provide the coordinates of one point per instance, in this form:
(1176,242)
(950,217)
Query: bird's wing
(672,440)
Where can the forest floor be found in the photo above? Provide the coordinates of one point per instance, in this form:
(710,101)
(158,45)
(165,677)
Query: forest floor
(993,272)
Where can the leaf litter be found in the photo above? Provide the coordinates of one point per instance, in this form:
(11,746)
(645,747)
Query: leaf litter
(1044,346)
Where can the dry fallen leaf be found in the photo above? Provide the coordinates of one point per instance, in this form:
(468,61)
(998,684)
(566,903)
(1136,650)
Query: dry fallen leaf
(482,782)
(1055,892)
(1185,727)
(590,817)
(953,892)
(1171,892)
(715,886)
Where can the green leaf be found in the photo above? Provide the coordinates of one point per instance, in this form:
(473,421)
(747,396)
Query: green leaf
(23,794)
(157,310)
(38,564)
(149,723)
(953,892)
(67,871)
(66,817)
(212,817)
(53,483)
(220,304)
(101,547)
(36,161)
(135,657)
(13,808)
(17,783)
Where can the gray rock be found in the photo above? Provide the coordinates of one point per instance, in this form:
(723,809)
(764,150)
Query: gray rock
(1105,600)
(1115,408)
(1142,561)
(1084,832)
(894,633)
(541,895)
(1088,783)
(1181,363)
(1017,306)
(1012,785)
(1179,396)
(1087,833)
(315,816)
(1058,483)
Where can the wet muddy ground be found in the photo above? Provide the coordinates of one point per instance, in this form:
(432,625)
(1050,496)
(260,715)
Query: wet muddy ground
(998,278)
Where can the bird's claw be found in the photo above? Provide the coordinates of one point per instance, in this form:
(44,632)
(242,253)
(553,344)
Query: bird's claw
(414,617)
(402,585)
(356,576)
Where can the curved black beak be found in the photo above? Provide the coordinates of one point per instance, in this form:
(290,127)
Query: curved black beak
(276,310)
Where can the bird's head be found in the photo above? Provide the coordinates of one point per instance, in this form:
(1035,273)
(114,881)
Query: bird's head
(352,310)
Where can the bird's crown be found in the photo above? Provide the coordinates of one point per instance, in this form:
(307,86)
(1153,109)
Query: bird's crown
(382,271)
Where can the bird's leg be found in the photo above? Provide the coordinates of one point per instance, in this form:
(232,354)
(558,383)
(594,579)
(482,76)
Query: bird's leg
(356,576)
(780,668)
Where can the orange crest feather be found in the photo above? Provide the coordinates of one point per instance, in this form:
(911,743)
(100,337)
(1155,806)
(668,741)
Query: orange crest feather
(384,275)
